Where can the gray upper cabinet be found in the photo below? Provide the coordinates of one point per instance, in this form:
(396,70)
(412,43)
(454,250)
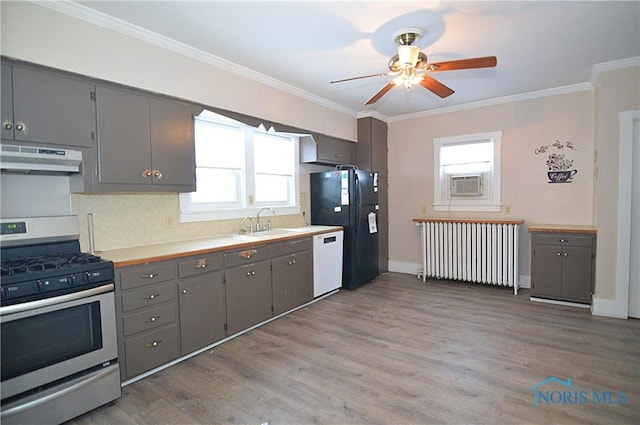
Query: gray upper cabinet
(372,145)
(46,107)
(327,150)
(145,143)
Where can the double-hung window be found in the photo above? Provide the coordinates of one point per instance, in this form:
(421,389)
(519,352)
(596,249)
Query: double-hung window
(239,169)
(467,172)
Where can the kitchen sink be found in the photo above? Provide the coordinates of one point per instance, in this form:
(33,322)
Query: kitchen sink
(269,233)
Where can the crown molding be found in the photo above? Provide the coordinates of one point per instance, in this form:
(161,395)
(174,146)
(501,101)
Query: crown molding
(114,24)
(611,66)
(495,101)
(372,114)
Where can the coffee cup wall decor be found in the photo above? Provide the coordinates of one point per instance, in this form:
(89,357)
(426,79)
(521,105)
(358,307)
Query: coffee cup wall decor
(561,176)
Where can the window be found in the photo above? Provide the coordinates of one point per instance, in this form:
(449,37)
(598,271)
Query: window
(467,172)
(240,169)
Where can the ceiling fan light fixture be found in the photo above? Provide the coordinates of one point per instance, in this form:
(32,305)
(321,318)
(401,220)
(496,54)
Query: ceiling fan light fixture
(408,56)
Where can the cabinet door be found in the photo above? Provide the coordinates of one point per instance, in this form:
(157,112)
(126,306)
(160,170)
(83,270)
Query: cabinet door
(383,226)
(292,281)
(336,151)
(202,311)
(379,146)
(172,143)
(53,108)
(124,150)
(7,102)
(249,298)
(546,271)
(576,273)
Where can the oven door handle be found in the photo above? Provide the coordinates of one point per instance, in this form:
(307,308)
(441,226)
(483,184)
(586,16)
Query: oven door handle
(32,305)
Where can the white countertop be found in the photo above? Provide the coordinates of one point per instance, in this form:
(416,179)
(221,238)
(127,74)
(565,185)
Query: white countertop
(164,251)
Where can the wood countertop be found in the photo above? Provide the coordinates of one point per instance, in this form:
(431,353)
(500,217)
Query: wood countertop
(124,257)
(563,228)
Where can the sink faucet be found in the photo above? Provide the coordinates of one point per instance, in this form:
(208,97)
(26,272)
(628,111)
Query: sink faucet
(268,225)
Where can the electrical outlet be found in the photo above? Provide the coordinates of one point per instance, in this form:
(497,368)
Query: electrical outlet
(424,209)
(507,209)
(168,222)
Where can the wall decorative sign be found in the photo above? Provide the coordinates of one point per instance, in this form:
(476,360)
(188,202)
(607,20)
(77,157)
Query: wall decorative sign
(559,167)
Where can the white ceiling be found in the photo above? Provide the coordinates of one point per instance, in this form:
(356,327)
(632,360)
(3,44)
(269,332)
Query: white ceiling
(540,45)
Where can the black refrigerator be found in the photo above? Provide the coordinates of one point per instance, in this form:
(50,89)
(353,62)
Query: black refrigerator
(349,198)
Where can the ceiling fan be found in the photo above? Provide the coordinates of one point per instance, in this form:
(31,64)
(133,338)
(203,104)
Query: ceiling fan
(411,67)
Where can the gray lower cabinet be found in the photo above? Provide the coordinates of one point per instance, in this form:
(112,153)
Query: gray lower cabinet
(563,266)
(292,274)
(147,317)
(145,143)
(202,302)
(249,299)
(45,107)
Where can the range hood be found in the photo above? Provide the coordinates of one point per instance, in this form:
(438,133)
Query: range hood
(38,160)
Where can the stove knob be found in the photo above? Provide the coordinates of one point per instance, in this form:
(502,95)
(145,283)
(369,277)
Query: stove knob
(72,280)
(39,286)
(86,277)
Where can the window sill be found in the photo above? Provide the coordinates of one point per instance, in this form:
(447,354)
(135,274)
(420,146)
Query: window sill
(467,207)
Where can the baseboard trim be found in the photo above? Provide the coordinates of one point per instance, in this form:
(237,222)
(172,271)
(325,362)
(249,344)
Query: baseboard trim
(402,267)
(608,308)
(558,302)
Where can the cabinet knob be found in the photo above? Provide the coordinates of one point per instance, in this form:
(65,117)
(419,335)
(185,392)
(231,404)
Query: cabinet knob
(152,297)
(184,291)
(152,319)
(559,254)
(565,254)
(202,264)
(8,125)
(157,174)
(338,155)
(147,173)
(563,240)
(20,126)
(153,344)
(149,276)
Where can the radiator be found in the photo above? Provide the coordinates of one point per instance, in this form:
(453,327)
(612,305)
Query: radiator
(475,251)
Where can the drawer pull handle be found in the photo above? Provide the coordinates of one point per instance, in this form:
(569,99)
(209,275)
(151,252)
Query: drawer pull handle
(153,344)
(152,297)
(248,253)
(292,262)
(563,240)
(202,264)
(251,273)
(149,276)
(152,319)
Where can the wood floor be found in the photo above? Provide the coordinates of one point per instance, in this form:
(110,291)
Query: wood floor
(398,351)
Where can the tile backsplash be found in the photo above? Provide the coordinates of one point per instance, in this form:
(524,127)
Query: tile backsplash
(127,220)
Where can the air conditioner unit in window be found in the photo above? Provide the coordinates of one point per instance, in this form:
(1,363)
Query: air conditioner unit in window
(466,185)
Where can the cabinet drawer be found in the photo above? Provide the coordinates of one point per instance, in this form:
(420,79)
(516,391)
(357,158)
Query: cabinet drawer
(289,247)
(146,275)
(245,256)
(149,296)
(561,239)
(200,265)
(152,349)
(149,319)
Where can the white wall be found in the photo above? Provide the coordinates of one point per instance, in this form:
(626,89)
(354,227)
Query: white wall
(527,125)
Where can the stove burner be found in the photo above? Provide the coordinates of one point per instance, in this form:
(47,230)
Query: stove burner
(45,262)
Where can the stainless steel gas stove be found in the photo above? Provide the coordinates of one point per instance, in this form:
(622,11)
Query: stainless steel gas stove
(57,323)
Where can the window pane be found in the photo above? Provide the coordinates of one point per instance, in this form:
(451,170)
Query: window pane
(273,154)
(219,146)
(216,185)
(466,153)
(478,167)
(270,188)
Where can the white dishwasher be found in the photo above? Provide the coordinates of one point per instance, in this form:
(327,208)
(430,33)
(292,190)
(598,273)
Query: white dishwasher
(327,262)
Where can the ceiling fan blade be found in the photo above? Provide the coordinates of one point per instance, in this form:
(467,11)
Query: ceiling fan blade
(484,62)
(435,86)
(381,93)
(357,78)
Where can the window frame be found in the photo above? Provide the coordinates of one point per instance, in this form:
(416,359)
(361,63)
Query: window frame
(490,200)
(195,212)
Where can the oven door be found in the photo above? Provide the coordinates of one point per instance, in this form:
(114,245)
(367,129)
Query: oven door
(47,340)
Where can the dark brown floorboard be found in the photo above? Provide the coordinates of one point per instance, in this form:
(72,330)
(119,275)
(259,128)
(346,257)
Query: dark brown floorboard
(397,351)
